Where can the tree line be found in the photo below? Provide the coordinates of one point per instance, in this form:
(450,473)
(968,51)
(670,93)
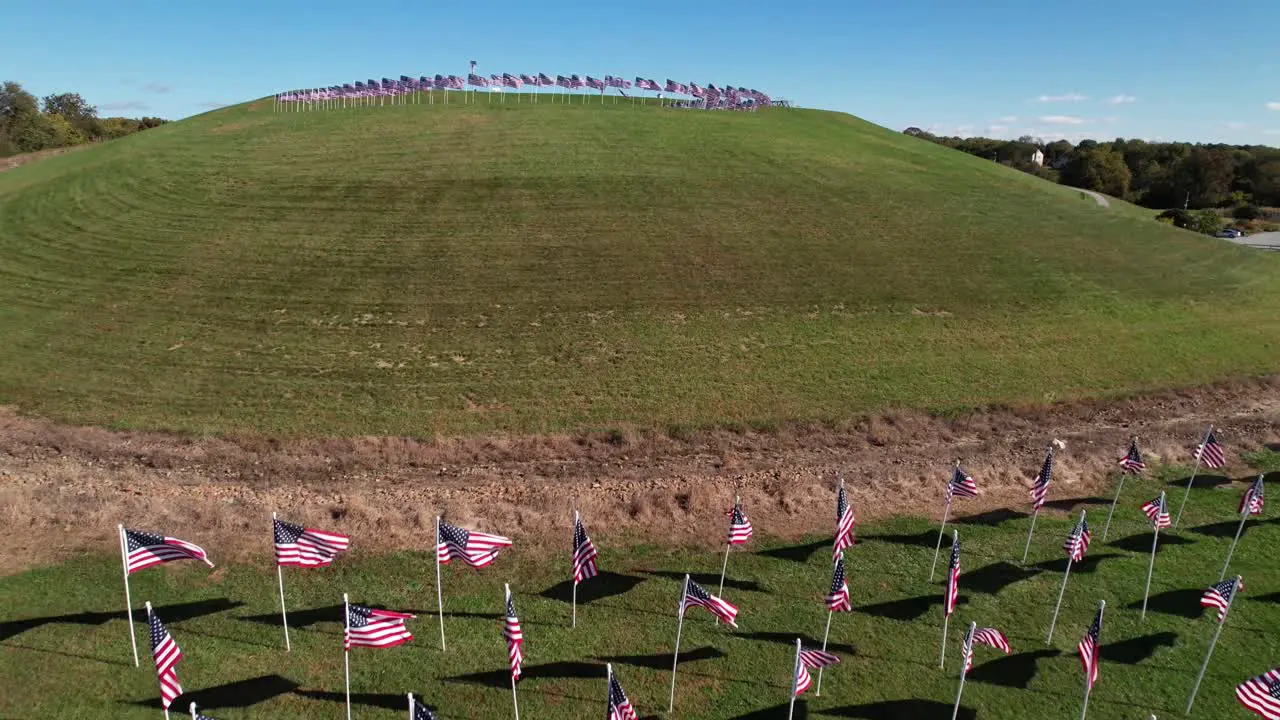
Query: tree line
(1241,180)
(59,120)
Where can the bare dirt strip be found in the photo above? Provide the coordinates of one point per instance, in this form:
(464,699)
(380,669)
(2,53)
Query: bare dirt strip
(63,489)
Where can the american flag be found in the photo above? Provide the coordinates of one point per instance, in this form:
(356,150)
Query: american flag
(811,659)
(564,82)
(306,547)
(1253,499)
(695,596)
(961,484)
(514,636)
(584,553)
(1040,488)
(966,649)
(545,80)
(1088,648)
(619,706)
(1077,543)
(576,81)
(1220,595)
(475,80)
(201,716)
(144,549)
(845,523)
(420,711)
(476,549)
(167,655)
(1262,694)
(1157,513)
(953,577)
(740,530)
(370,627)
(1132,461)
(1210,452)
(528,79)
(595,83)
(473,66)
(838,598)
(993,638)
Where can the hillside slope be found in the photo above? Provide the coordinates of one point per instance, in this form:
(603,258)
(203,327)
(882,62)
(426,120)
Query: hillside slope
(463,269)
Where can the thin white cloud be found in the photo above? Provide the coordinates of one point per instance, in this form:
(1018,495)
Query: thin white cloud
(1062,120)
(1273,106)
(158,88)
(124,105)
(1065,97)
(997,129)
(1121,99)
(1008,119)
(1235,125)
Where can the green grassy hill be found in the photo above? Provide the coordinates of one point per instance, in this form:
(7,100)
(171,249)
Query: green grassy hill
(466,269)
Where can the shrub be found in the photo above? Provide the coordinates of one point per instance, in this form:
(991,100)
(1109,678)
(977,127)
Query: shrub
(1248,212)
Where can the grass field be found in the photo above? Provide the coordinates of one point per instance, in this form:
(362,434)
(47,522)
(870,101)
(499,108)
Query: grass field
(472,269)
(64,650)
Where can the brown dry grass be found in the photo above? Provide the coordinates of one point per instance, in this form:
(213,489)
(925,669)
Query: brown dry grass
(63,488)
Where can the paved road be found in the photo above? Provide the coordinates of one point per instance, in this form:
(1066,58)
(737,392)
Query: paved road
(1097,197)
(1264,241)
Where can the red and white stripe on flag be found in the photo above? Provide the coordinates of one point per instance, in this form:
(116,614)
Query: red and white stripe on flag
(811,659)
(1262,694)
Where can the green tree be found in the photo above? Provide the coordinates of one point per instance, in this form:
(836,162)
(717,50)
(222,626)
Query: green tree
(1100,169)
(79,114)
(1204,177)
(23,126)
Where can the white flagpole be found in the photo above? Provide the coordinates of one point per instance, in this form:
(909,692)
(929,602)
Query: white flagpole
(1199,458)
(608,685)
(192,708)
(725,565)
(1027,549)
(1088,686)
(946,512)
(1205,666)
(1155,538)
(964,671)
(795,671)
(675,659)
(166,710)
(573,572)
(346,653)
(942,661)
(410,706)
(825,634)
(439,592)
(284,618)
(1244,516)
(515,702)
(1107,528)
(1067,573)
(128,603)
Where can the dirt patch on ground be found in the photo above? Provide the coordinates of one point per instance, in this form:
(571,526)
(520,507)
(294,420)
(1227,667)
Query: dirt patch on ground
(14,161)
(63,489)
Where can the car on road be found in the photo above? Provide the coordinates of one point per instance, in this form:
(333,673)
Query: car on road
(1229,233)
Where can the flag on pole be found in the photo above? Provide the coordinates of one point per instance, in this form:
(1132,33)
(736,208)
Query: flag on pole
(167,654)
(740,530)
(1077,543)
(584,553)
(476,549)
(1040,488)
(953,578)
(993,638)
(811,659)
(515,638)
(845,522)
(1262,694)
(1157,513)
(838,598)
(695,596)
(1220,596)
(1210,452)
(1132,461)
(1253,499)
(420,711)
(200,716)
(1089,647)
(961,485)
(371,627)
(306,547)
(619,706)
(146,549)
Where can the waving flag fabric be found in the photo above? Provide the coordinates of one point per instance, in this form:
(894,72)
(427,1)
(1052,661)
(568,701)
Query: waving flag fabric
(1219,596)
(515,638)
(1253,499)
(1088,649)
(167,654)
(1262,694)
(811,660)
(476,549)
(619,706)
(371,627)
(306,547)
(838,598)
(475,80)
(594,83)
(584,553)
(1157,513)
(545,80)
(740,530)
(695,596)
(144,549)
(1077,543)
(961,485)
(1132,461)
(993,638)
(1210,452)
(845,523)
(953,578)
(1040,488)
(420,711)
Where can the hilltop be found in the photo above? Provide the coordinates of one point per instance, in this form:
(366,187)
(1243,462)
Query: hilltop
(472,269)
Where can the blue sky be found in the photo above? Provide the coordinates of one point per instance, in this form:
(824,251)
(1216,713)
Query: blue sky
(1156,69)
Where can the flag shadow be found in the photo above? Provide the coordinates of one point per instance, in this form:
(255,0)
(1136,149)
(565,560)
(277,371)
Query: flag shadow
(913,709)
(1135,650)
(1142,542)
(991,518)
(808,641)
(907,609)
(238,694)
(995,577)
(1070,504)
(926,539)
(662,661)
(708,580)
(1203,482)
(1269,597)
(386,701)
(1180,603)
(1224,529)
(177,612)
(777,712)
(300,618)
(1014,671)
(1086,566)
(796,553)
(556,670)
(605,585)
